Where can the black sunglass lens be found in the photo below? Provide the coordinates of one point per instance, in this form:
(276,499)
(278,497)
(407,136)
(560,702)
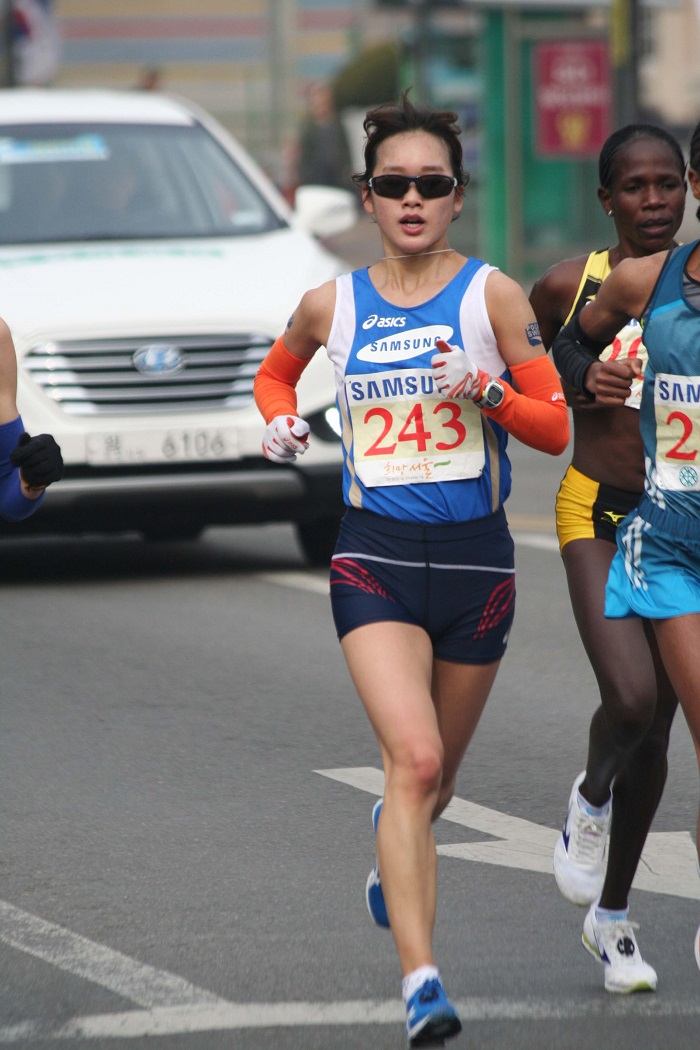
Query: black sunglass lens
(391,185)
(434,185)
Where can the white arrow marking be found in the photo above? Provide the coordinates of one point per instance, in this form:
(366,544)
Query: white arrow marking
(668,863)
(178,1020)
(69,951)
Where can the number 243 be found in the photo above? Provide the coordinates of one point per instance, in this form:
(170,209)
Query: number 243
(414,429)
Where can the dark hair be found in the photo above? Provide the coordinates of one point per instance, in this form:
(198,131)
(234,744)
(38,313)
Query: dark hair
(630,133)
(695,154)
(390,119)
(695,148)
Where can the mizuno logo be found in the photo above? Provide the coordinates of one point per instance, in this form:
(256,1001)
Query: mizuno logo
(614,518)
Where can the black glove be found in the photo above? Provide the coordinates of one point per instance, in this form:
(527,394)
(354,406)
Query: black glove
(38,458)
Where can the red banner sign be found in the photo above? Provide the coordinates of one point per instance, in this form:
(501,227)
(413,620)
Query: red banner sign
(572,97)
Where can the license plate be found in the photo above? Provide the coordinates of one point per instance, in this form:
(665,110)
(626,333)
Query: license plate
(200,445)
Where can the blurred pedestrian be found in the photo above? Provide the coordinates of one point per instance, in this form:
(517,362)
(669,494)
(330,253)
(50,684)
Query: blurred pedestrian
(150,79)
(36,42)
(324,152)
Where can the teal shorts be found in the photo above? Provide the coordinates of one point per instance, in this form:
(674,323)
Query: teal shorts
(654,574)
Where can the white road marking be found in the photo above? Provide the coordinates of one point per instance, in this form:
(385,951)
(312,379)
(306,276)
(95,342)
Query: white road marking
(668,864)
(540,540)
(85,958)
(180,1020)
(302,581)
(176,1007)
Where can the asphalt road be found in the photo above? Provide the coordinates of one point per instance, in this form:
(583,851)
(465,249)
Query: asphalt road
(186,781)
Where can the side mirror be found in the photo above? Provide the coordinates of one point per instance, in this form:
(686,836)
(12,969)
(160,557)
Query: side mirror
(325,211)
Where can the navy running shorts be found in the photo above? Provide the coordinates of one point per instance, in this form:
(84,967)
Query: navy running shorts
(456,581)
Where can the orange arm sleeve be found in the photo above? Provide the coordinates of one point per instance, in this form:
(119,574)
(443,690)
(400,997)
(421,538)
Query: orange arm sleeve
(538,415)
(275,381)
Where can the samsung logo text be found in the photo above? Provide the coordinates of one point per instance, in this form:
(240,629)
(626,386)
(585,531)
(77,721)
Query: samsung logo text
(402,347)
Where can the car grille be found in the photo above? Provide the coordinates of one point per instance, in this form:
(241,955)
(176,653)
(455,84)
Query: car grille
(100,376)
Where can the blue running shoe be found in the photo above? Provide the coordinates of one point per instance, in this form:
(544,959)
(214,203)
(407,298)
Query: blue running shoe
(373,891)
(430,1016)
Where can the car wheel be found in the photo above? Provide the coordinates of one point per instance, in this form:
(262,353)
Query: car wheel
(317,539)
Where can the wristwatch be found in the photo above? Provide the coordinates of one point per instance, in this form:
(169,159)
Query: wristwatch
(492,395)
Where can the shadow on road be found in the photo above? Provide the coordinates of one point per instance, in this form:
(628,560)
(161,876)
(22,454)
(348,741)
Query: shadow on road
(85,559)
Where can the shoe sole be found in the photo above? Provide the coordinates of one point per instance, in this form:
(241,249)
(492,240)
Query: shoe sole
(376,810)
(370,882)
(578,896)
(435,1033)
(610,986)
(697,946)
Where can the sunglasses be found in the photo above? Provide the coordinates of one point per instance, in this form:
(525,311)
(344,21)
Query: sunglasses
(397,186)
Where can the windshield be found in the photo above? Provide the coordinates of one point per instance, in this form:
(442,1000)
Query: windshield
(78,182)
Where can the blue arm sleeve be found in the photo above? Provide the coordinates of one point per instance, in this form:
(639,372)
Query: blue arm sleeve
(14,505)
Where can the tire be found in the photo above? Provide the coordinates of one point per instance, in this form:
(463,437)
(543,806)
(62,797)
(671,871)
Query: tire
(317,540)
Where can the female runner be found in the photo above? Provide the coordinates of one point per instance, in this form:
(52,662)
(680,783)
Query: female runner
(437,358)
(642,188)
(655,573)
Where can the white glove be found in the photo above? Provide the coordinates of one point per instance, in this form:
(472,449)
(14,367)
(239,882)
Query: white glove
(284,438)
(455,373)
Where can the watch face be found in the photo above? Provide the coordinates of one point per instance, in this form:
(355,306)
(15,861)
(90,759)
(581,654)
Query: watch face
(493,395)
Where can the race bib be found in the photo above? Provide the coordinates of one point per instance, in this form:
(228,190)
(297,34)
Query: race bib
(677,413)
(406,432)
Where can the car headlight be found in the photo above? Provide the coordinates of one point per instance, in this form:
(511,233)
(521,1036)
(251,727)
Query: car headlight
(325,424)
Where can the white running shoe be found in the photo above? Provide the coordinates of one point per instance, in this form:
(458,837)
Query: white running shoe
(614,945)
(579,855)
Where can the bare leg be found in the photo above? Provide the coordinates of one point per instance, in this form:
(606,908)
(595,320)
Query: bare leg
(460,692)
(392,667)
(629,732)
(679,645)
(637,791)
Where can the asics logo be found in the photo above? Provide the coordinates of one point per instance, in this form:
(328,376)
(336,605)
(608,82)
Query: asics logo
(384,322)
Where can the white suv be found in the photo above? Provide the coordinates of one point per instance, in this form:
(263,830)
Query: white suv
(147,265)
